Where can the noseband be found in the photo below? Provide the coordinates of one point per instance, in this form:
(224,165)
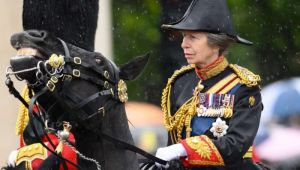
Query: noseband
(68,68)
(64,69)
(56,74)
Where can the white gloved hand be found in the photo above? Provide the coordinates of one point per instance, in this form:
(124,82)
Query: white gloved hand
(12,158)
(171,152)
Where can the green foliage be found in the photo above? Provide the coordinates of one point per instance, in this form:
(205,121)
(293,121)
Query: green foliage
(273,26)
(136,31)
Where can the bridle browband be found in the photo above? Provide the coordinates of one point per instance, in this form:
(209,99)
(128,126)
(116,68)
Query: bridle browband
(62,70)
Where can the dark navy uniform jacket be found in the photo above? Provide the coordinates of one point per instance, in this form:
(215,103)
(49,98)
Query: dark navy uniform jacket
(242,126)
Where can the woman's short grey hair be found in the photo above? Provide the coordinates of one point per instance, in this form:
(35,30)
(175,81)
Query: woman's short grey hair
(220,40)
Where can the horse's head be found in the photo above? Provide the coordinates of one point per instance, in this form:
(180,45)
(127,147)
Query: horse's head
(76,78)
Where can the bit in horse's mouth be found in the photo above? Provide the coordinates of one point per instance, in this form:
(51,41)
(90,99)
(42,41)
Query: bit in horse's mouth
(29,52)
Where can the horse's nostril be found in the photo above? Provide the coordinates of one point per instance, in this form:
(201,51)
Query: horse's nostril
(43,34)
(37,34)
(34,34)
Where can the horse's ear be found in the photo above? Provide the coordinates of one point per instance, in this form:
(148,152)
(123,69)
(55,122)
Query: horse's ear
(134,67)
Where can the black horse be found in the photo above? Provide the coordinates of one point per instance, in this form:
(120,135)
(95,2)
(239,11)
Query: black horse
(81,87)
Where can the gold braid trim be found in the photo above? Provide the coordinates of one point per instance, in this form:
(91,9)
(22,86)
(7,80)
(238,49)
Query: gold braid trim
(30,152)
(246,77)
(28,166)
(213,69)
(23,118)
(200,147)
(174,124)
(201,151)
(171,121)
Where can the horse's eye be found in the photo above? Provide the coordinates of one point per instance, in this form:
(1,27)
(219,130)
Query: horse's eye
(98,60)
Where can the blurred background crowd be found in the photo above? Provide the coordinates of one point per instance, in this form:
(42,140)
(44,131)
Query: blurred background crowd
(128,28)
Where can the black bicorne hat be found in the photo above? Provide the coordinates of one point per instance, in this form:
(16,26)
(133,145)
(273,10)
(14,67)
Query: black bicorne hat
(209,16)
(74,21)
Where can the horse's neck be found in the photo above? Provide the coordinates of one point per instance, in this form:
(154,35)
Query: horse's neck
(110,155)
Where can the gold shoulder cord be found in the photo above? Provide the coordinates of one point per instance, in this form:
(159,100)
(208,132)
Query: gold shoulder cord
(174,124)
(246,77)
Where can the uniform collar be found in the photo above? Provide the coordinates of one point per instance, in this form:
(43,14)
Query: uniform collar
(212,69)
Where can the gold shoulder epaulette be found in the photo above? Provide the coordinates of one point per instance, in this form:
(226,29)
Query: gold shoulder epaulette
(246,77)
(179,72)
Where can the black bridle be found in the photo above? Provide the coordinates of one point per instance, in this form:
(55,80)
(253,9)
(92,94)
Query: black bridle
(64,72)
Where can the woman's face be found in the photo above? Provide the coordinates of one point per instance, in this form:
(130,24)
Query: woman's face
(196,49)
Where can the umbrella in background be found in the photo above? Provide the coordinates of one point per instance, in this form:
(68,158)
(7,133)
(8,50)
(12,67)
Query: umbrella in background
(287,108)
(280,125)
(270,94)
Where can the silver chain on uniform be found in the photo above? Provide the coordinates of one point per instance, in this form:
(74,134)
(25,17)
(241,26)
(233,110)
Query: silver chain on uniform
(84,157)
(64,135)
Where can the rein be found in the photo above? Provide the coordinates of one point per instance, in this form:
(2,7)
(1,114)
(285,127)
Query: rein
(33,115)
(61,69)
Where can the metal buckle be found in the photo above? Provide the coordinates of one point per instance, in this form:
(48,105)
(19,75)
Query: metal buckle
(106,84)
(77,60)
(112,92)
(51,86)
(76,73)
(67,77)
(54,79)
(101,109)
(106,74)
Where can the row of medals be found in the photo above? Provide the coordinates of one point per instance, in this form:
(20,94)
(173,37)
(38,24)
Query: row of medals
(216,105)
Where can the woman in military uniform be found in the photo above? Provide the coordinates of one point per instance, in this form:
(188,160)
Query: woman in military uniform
(211,108)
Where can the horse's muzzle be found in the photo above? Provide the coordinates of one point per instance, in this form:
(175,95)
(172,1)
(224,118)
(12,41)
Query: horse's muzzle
(19,63)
